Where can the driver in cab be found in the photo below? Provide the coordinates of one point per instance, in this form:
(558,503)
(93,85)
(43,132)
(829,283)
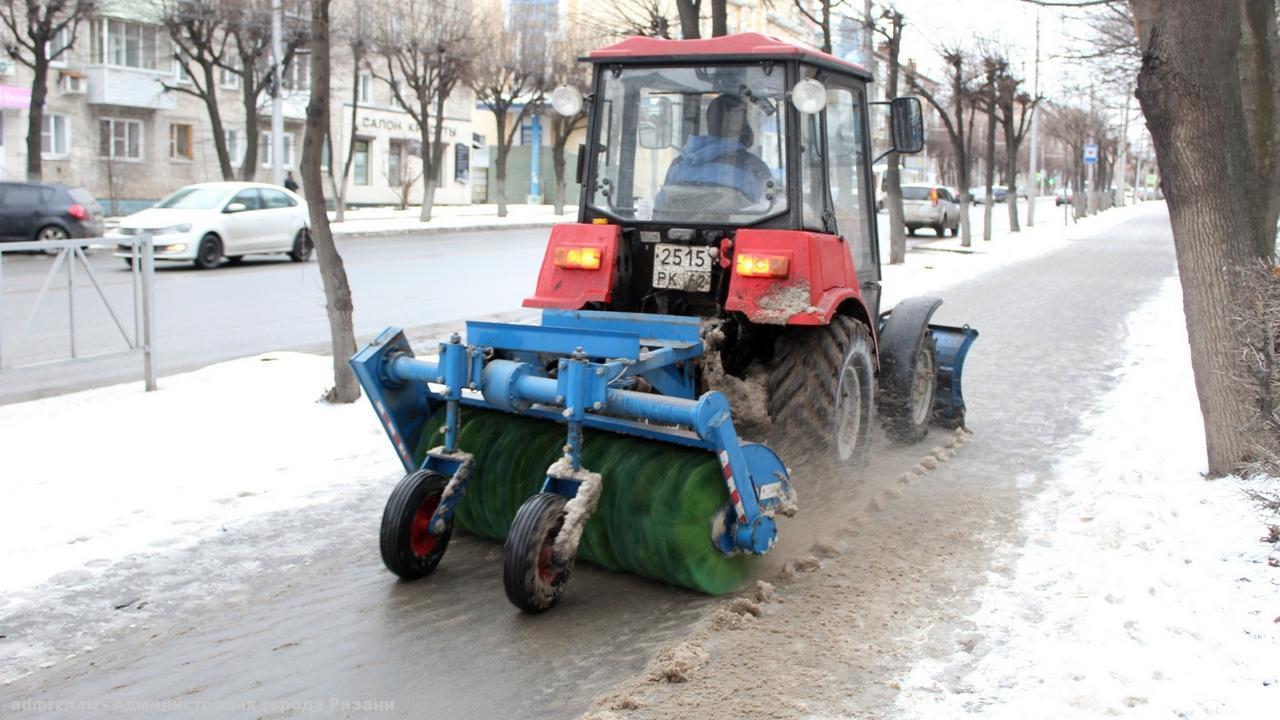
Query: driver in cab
(720,158)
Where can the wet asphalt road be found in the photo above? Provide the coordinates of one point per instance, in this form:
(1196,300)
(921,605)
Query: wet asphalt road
(297,636)
(266,303)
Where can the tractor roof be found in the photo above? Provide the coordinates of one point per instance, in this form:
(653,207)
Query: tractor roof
(742,46)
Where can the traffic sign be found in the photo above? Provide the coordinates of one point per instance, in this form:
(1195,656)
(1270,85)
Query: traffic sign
(1091,153)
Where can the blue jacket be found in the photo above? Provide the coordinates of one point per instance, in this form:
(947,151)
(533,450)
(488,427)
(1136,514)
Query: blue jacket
(720,162)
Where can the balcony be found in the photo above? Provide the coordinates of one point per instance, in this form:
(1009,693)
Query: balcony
(128,87)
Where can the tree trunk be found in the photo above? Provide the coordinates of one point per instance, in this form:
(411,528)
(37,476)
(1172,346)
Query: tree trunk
(1188,90)
(991,158)
(428,174)
(558,164)
(500,179)
(340,184)
(215,122)
(688,10)
(35,117)
(719,18)
(892,175)
(249,101)
(1011,143)
(337,292)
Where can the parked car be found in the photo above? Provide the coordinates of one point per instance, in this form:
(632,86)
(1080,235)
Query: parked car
(999,193)
(931,206)
(207,222)
(41,211)
(1064,197)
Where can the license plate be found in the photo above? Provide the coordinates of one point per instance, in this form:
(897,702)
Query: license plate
(681,267)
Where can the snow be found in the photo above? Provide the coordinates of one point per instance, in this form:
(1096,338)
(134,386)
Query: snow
(1142,589)
(95,476)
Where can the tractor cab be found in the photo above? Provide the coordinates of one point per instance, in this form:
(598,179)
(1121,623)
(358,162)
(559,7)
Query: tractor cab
(698,150)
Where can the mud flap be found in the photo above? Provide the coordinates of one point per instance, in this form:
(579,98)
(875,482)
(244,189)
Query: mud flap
(948,400)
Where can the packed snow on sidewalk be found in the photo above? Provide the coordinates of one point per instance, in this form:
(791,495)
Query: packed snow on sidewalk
(1142,589)
(94,476)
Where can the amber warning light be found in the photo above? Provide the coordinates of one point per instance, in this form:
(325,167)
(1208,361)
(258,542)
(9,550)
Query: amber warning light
(762,265)
(581,258)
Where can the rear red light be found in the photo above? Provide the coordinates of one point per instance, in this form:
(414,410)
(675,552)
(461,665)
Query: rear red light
(77,211)
(933,196)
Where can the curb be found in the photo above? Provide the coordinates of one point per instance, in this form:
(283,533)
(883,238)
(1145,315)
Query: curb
(441,230)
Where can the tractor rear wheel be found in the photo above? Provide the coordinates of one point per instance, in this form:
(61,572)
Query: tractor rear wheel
(409,548)
(822,390)
(531,574)
(906,396)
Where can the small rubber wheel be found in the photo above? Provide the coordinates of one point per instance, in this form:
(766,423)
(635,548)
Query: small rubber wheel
(235,259)
(302,247)
(531,575)
(209,253)
(409,548)
(906,414)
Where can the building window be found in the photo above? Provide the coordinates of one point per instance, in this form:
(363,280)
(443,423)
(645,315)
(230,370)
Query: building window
(129,44)
(526,133)
(395,164)
(57,49)
(120,139)
(360,164)
(55,140)
(180,71)
(229,79)
(233,145)
(180,142)
(264,149)
(297,78)
(366,88)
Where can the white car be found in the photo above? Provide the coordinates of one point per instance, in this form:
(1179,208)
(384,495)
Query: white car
(931,206)
(207,222)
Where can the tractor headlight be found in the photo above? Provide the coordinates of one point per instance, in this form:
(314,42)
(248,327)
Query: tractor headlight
(566,100)
(809,96)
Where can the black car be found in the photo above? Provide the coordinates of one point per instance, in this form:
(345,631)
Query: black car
(38,211)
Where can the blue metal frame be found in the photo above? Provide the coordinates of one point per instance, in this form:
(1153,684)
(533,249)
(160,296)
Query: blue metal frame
(601,355)
(953,345)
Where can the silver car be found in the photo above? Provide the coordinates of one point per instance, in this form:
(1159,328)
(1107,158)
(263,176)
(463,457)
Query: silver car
(931,206)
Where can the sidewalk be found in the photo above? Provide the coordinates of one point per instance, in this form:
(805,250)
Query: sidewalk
(373,222)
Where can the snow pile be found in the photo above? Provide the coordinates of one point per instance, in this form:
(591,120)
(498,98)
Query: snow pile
(92,477)
(1142,590)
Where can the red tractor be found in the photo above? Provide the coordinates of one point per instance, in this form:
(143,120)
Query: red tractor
(726,237)
(730,179)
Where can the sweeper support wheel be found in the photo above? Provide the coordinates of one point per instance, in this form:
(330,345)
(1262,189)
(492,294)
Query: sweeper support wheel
(409,548)
(531,573)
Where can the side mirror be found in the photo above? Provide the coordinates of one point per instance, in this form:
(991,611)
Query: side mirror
(235,207)
(906,118)
(582,163)
(655,123)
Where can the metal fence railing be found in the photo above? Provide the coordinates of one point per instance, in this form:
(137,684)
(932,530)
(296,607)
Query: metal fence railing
(71,257)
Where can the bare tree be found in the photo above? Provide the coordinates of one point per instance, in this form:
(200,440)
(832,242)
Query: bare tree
(197,30)
(337,292)
(567,70)
(821,18)
(690,18)
(37,30)
(1014,110)
(993,65)
(249,27)
(354,21)
(1209,87)
(647,18)
(892,33)
(427,48)
(510,84)
(719,18)
(954,122)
